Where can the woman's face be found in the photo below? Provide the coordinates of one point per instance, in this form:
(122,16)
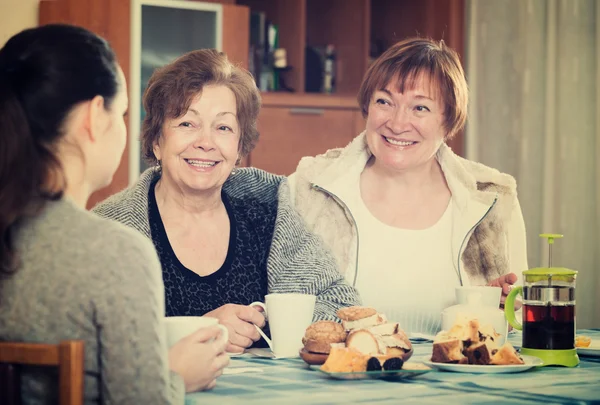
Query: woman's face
(199,150)
(405,130)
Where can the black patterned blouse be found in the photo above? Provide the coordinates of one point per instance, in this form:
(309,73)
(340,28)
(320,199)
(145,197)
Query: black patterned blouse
(241,279)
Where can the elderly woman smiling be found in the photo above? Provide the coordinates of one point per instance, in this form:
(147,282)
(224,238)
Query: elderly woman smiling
(225,237)
(407,219)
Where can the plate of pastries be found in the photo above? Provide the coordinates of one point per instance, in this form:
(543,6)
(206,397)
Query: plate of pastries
(470,347)
(365,345)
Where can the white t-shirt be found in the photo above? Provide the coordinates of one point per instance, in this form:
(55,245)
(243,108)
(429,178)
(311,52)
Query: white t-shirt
(408,275)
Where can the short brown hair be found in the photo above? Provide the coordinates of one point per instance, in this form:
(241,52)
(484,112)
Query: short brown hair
(405,61)
(172,88)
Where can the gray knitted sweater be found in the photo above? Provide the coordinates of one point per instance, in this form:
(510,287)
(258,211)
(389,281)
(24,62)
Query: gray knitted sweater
(298,261)
(83,277)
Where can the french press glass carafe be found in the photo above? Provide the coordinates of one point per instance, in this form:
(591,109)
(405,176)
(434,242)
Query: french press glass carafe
(548,312)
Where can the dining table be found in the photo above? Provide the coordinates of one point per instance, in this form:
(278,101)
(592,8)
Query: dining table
(257,380)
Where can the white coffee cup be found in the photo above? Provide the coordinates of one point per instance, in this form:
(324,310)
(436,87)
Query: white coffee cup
(488,296)
(289,315)
(178,327)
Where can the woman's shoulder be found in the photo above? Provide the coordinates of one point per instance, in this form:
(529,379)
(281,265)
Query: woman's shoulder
(253,183)
(130,201)
(490,178)
(469,172)
(105,234)
(333,161)
(84,241)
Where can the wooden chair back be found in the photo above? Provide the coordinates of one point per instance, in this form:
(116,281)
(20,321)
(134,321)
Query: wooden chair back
(68,356)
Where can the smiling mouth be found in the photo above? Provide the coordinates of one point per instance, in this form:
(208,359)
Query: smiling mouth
(395,142)
(201,163)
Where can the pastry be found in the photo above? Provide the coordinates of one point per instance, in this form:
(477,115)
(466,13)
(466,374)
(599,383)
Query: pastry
(365,342)
(448,351)
(384,329)
(329,331)
(506,355)
(479,353)
(345,360)
(583,341)
(360,317)
(318,340)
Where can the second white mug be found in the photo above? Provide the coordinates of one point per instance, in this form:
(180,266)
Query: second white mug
(289,315)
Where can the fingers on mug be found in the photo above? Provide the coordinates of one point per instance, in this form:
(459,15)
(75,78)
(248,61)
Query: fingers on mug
(264,307)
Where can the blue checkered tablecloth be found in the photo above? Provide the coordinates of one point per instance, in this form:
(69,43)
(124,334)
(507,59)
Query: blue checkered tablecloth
(290,381)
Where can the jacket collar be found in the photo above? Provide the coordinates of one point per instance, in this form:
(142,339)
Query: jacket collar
(461,182)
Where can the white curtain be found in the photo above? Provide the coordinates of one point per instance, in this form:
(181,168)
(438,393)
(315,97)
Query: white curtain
(533,68)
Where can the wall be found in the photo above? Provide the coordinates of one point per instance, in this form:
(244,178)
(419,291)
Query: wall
(16,15)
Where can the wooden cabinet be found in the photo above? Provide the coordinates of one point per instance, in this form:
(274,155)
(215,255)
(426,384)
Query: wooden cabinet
(292,125)
(291,129)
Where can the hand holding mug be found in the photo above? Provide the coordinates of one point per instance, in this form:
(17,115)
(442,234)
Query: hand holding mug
(240,321)
(506,282)
(200,357)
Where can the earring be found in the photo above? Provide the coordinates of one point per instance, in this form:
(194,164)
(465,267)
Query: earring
(158,166)
(233,171)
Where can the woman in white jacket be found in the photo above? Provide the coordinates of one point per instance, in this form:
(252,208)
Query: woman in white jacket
(406,218)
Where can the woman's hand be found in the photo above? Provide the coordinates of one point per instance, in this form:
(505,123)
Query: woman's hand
(506,282)
(240,320)
(198,360)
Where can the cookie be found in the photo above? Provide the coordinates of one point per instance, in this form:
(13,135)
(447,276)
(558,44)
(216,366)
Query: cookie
(313,358)
(355,313)
(317,346)
(325,331)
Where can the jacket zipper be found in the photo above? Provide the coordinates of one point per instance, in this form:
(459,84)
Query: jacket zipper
(469,235)
(345,207)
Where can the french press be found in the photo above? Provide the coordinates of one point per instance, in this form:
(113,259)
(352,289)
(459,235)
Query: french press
(548,312)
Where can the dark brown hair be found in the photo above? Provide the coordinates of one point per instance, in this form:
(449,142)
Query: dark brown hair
(405,61)
(44,73)
(172,88)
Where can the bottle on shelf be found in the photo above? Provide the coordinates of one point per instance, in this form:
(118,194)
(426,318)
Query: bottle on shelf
(329,70)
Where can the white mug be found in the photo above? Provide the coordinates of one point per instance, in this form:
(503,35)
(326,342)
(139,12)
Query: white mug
(289,315)
(488,296)
(178,327)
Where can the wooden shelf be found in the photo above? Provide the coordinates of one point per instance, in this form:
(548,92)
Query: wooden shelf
(273,99)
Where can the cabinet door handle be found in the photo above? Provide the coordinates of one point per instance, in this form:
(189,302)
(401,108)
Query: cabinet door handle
(307,111)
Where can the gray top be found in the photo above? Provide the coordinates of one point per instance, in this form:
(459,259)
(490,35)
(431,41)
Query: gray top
(298,260)
(84,277)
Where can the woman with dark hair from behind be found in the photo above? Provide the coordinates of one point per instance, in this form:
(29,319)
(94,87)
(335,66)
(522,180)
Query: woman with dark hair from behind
(66,273)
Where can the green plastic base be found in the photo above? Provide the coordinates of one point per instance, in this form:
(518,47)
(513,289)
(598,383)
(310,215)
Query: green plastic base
(567,358)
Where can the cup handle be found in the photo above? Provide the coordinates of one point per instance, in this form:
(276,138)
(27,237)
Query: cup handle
(264,307)
(224,337)
(260,304)
(509,308)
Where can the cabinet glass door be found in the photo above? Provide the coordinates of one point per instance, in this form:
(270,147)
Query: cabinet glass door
(163,30)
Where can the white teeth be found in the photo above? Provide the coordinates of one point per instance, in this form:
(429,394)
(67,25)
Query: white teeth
(200,163)
(399,143)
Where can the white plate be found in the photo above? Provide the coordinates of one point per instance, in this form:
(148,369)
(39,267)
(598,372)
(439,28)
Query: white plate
(592,351)
(530,362)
